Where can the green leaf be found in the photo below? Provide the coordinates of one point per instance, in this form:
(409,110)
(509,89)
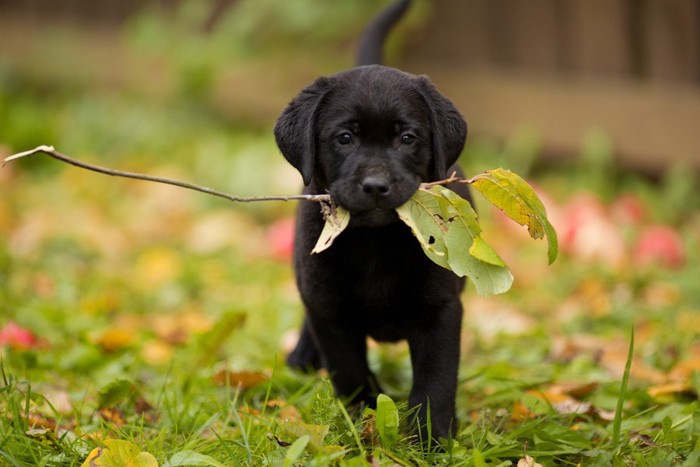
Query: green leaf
(423,214)
(387,419)
(295,451)
(116,392)
(315,433)
(183,458)
(511,194)
(119,453)
(446,226)
(484,252)
(336,222)
(462,235)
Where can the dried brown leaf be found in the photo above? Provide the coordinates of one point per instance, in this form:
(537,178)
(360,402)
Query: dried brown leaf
(243,379)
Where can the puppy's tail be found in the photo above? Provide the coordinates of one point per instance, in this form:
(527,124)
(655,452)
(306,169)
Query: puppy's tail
(373,37)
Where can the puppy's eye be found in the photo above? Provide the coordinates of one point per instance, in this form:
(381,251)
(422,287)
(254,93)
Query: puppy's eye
(345,138)
(408,138)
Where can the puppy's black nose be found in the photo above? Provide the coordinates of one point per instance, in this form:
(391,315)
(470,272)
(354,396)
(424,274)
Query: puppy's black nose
(375,186)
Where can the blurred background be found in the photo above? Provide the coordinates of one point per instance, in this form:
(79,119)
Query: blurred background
(559,68)
(595,102)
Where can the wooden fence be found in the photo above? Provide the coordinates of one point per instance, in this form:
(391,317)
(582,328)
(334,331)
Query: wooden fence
(630,67)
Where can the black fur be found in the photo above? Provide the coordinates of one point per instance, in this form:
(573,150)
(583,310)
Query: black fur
(369,136)
(372,39)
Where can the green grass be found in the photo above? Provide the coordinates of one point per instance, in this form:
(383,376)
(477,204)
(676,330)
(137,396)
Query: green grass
(144,298)
(137,314)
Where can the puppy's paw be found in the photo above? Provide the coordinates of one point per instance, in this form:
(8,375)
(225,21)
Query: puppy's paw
(305,358)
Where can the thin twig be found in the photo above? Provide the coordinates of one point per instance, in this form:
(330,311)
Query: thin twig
(50,151)
(324,199)
(453,178)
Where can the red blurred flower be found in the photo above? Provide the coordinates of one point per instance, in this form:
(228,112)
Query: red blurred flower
(280,238)
(659,245)
(17,337)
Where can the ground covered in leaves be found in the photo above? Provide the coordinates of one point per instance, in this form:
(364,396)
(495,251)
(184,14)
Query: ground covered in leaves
(149,315)
(148,324)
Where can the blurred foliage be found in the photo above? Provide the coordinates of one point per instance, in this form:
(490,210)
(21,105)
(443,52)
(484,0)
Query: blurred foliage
(249,28)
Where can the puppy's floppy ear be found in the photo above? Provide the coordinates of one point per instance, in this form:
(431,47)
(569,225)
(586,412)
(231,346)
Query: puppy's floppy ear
(449,130)
(295,130)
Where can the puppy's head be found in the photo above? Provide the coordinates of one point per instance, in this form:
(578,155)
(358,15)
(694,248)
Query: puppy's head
(370,136)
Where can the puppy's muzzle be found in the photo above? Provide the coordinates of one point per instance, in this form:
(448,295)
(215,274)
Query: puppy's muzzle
(376,186)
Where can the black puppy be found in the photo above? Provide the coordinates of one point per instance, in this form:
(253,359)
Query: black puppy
(369,136)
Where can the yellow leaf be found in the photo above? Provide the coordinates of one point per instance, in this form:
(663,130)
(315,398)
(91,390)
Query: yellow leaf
(114,339)
(156,352)
(157,267)
(512,195)
(521,412)
(553,397)
(119,453)
(336,222)
(668,389)
(685,368)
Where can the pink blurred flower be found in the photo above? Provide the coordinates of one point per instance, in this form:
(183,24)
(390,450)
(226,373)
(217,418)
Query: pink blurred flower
(659,245)
(17,337)
(587,232)
(628,209)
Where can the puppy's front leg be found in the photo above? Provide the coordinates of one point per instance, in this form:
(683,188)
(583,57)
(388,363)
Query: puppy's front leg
(435,360)
(305,356)
(344,354)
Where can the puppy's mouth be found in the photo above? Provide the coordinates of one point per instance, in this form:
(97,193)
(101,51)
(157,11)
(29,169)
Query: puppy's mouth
(371,208)
(376,217)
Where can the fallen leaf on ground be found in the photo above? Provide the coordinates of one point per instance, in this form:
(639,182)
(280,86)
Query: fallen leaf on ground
(243,379)
(528,461)
(316,433)
(157,352)
(114,339)
(119,453)
(156,267)
(521,412)
(669,389)
(561,402)
(176,328)
(40,422)
(112,415)
(575,390)
(684,369)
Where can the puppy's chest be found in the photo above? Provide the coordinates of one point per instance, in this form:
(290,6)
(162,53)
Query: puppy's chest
(382,272)
(388,297)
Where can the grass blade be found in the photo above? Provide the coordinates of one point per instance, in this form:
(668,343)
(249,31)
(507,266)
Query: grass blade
(295,451)
(617,421)
(352,427)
